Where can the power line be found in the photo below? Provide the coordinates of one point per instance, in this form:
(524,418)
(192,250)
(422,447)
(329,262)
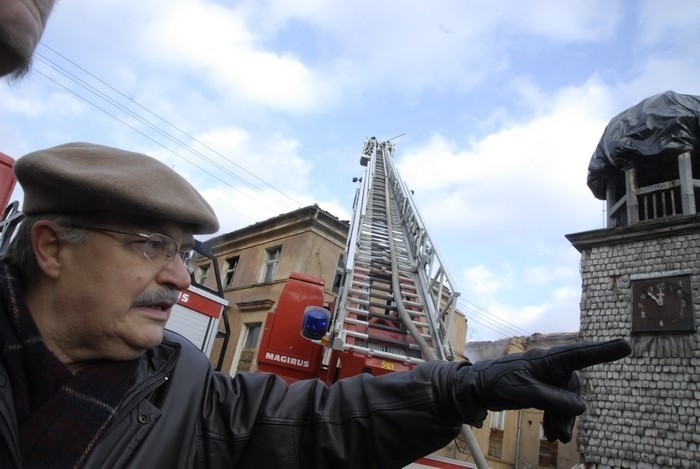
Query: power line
(141,133)
(486,315)
(112,102)
(489,320)
(193,138)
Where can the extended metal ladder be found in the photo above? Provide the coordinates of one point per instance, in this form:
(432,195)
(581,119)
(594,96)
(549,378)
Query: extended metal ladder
(384,309)
(396,301)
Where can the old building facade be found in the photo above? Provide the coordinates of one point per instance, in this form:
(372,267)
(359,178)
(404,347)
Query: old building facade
(254,263)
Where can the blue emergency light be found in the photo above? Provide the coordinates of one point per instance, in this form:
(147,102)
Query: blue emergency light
(314,323)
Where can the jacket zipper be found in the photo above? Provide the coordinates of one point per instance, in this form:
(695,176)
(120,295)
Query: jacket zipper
(148,386)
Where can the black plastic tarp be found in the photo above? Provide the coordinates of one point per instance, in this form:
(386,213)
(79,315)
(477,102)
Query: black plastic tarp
(667,124)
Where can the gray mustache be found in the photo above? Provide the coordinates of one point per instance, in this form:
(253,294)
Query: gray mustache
(157,296)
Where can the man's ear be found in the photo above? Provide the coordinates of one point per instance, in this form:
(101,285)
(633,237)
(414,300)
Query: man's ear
(47,245)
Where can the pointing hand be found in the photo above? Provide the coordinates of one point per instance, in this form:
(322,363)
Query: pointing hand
(541,378)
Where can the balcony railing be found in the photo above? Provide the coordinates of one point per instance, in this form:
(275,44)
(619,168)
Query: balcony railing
(655,201)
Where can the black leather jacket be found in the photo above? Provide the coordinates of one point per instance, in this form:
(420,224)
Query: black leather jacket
(182,414)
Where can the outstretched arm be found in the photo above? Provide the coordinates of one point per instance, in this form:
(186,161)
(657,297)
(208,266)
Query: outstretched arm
(390,420)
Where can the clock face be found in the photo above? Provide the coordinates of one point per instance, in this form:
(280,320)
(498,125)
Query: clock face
(662,305)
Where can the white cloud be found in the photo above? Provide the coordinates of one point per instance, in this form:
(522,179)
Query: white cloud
(238,207)
(558,312)
(215,42)
(674,22)
(264,161)
(481,281)
(406,47)
(580,22)
(32,102)
(526,175)
(248,175)
(247,178)
(657,74)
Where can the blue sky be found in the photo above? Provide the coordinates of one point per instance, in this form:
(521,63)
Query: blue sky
(264,106)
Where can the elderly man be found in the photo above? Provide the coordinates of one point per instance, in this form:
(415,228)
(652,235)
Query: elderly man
(89,378)
(22,24)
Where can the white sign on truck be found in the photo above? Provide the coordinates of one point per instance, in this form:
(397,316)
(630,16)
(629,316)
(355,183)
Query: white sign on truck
(196,316)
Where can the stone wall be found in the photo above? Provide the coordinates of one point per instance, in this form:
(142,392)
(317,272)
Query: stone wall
(644,410)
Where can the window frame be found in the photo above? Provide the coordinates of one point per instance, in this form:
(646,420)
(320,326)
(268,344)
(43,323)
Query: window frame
(270,264)
(253,331)
(202,273)
(230,270)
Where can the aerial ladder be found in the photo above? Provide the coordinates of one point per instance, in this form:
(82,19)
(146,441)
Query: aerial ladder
(396,302)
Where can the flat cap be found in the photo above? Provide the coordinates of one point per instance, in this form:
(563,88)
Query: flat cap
(84,177)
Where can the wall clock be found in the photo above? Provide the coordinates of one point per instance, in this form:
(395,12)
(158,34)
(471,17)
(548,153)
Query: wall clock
(662,305)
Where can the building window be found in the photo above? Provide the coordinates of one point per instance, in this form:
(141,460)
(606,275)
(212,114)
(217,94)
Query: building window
(202,274)
(339,270)
(230,271)
(270,266)
(549,451)
(248,347)
(498,420)
(252,335)
(496,434)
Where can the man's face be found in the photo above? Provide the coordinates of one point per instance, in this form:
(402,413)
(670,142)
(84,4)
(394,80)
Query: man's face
(113,301)
(22,23)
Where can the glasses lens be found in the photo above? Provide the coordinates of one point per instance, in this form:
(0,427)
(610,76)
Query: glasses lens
(189,258)
(159,247)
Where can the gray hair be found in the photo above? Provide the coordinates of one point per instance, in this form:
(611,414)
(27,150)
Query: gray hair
(20,251)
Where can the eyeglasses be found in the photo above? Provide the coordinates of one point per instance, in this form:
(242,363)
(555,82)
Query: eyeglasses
(156,247)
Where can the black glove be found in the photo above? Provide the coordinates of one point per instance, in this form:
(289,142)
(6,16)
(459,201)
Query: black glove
(539,378)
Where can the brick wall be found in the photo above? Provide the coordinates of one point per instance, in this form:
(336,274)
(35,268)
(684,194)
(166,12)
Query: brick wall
(644,410)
